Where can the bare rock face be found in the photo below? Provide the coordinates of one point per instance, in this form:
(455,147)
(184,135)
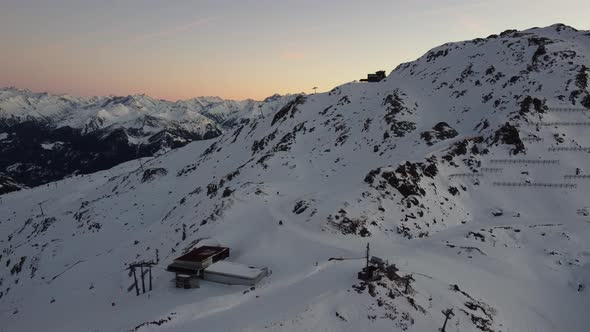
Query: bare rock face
(441,131)
(508,134)
(7,184)
(406,178)
(153,173)
(537,104)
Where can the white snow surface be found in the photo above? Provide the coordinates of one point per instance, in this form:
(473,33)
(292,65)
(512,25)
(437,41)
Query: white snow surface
(235,269)
(52,145)
(318,180)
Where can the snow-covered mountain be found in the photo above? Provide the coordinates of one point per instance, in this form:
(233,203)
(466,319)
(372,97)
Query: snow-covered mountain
(45,137)
(464,168)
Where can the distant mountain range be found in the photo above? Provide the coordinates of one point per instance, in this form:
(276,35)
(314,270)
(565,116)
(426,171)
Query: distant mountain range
(46,137)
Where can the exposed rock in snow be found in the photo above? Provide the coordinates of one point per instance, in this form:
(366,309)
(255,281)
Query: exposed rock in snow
(441,131)
(7,184)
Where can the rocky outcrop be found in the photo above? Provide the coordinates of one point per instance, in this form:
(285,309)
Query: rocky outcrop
(7,184)
(441,131)
(508,134)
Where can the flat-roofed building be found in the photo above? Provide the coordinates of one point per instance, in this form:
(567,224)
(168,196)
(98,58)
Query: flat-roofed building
(377,77)
(235,274)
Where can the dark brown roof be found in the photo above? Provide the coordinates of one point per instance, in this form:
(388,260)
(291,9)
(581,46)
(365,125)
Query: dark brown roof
(182,268)
(202,253)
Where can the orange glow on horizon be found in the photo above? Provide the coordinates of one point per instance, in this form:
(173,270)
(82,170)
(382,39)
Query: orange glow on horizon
(239,50)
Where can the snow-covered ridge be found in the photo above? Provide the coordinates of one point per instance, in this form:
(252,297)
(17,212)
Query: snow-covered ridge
(94,113)
(466,168)
(97,133)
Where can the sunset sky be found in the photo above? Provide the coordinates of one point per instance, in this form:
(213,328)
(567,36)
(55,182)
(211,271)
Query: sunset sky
(176,49)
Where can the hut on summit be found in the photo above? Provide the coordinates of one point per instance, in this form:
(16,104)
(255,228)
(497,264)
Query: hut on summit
(377,77)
